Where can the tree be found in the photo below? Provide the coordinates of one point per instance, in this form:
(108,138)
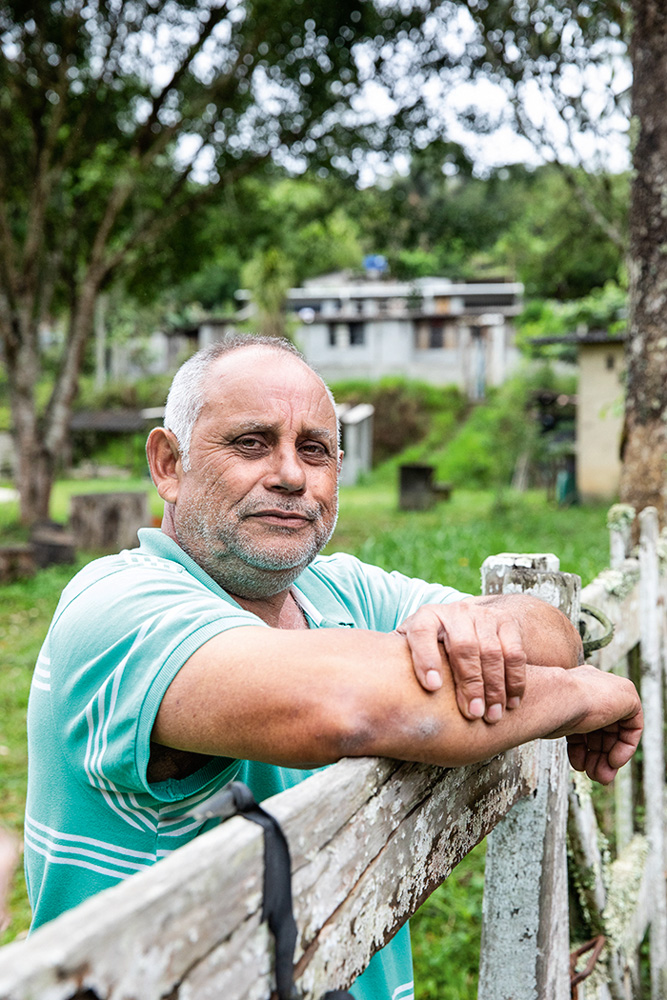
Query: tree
(644,450)
(562,65)
(121,119)
(550,47)
(557,250)
(268,276)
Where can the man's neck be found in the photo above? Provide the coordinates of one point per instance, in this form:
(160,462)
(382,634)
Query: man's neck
(279,611)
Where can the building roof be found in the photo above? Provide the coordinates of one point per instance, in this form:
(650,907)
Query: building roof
(583,337)
(116,421)
(330,286)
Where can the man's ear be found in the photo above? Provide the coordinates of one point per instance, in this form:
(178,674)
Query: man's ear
(341,456)
(164,461)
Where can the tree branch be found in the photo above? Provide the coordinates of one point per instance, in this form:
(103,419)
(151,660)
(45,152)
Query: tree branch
(214,19)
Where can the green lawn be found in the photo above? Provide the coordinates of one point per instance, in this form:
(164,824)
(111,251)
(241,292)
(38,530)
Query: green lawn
(448,543)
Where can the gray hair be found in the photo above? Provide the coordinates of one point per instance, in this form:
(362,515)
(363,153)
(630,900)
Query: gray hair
(187,394)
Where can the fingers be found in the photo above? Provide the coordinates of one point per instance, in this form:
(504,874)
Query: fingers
(422,630)
(603,752)
(515,659)
(488,664)
(475,655)
(485,655)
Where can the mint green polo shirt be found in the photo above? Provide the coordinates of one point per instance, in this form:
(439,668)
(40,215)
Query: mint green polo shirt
(123,628)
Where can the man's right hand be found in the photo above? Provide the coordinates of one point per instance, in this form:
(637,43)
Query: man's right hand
(602,750)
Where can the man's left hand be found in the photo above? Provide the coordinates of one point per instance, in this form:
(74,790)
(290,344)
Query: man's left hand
(485,652)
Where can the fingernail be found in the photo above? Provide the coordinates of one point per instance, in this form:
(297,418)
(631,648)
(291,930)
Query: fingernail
(494,713)
(433,680)
(513,702)
(476,708)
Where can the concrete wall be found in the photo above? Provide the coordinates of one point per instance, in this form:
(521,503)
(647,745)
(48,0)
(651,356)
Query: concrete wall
(389,348)
(599,420)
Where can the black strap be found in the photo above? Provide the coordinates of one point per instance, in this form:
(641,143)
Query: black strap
(277,903)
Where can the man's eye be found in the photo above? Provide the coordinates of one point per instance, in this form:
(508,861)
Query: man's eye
(314,448)
(249,443)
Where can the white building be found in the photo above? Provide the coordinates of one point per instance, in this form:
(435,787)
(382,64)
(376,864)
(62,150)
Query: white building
(441,331)
(434,329)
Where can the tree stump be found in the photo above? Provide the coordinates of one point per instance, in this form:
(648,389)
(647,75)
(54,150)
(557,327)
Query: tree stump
(108,521)
(416,487)
(16,562)
(52,544)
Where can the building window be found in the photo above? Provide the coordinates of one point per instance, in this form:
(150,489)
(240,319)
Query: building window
(436,336)
(347,334)
(357,334)
(611,360)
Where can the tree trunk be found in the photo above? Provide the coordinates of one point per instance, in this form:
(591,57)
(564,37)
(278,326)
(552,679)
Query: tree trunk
(644,450)
(34,480)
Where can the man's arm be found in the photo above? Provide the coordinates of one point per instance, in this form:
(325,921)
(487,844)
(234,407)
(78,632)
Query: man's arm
(488,641)
(308,698)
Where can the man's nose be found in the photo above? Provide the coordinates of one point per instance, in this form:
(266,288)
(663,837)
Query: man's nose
(287,472)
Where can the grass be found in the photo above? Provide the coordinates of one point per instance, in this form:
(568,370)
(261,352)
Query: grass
(448,543)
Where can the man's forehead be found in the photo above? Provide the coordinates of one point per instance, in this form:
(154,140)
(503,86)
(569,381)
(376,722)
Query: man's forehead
(254,378)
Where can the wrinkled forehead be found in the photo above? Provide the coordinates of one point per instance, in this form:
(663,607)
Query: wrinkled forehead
(260,378)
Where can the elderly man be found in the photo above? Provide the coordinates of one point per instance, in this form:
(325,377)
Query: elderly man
(225,647)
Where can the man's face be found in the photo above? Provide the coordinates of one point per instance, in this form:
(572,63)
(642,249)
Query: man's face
(260,498)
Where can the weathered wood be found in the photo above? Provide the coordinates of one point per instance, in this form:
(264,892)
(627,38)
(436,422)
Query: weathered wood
(623,787)
(584,839)
(415,487)
(620,519)
(626,915)
(525,944)
(622,580)
(616,593)
(525,937)
(653,743)
(52,544)
(190,925)
(108,521)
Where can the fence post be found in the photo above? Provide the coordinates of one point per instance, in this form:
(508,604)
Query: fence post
(525,934)
(619,523)
(653,745)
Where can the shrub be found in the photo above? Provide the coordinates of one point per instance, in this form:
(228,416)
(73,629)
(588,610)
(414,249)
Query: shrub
(406,412)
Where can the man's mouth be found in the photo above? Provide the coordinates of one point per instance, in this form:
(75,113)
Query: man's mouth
(284,517)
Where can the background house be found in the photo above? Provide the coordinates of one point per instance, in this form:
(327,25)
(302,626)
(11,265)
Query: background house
(445,332)
(599,411)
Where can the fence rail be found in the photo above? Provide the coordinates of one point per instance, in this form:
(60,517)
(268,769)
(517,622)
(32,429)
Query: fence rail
(390,833)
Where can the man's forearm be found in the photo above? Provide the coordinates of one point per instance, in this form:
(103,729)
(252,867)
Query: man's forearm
(308,698)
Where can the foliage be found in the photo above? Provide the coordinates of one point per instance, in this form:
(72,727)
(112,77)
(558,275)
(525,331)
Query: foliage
(554,246)
(405,410)
(602,309)
(122,122)
(446,934)
(438,219)
(268,276)
(151,390)
(543,55)
(482,450)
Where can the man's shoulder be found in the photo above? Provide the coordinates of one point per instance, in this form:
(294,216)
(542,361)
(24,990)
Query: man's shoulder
(336,562)
(150,570)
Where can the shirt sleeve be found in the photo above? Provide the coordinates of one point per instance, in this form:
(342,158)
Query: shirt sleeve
(115,648)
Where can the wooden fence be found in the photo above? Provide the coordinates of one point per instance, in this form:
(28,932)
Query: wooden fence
(370,839)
